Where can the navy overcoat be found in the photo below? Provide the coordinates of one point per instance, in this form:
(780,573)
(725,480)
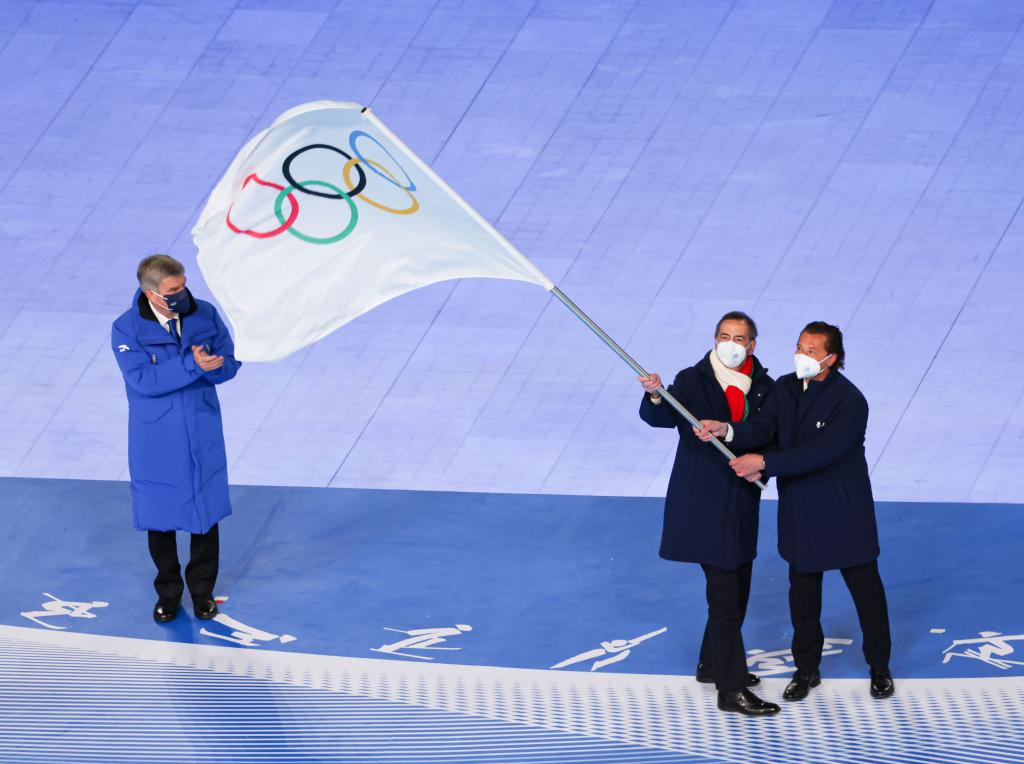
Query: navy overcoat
(826,509)
(710,514)
(176,457)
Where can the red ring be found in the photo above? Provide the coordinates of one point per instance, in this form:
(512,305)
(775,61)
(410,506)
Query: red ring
(266,234)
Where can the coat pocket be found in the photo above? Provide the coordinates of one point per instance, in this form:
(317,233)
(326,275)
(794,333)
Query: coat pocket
(151,409)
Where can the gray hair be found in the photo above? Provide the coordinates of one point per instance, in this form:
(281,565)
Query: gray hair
(155,268)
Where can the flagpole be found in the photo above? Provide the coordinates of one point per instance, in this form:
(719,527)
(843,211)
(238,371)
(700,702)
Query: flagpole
(640,370)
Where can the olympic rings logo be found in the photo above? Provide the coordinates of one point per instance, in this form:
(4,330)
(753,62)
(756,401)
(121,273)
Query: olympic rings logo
(354,178)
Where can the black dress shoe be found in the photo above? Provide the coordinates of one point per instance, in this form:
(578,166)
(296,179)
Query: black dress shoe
(707,676)
(204,607)
(882,685)
(745,702)
(800,685)
(166,609)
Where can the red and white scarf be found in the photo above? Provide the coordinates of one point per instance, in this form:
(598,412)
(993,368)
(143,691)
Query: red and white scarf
(735,383)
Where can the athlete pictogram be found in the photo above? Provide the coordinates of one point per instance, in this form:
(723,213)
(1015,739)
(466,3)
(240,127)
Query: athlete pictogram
(354,178)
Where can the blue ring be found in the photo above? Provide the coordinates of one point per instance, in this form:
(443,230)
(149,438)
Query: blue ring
(362,159)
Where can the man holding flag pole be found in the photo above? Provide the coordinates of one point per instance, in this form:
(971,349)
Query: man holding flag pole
(711,518)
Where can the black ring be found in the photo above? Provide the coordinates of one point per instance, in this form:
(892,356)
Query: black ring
(286,168)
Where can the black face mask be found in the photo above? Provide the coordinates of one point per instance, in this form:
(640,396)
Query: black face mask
(179,302)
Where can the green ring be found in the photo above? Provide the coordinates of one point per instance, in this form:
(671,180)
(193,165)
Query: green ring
(279,204)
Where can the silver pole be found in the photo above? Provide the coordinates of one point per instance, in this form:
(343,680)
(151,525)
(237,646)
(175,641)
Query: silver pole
(640,370)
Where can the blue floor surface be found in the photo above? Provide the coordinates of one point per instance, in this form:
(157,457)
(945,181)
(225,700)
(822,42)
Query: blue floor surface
(537,579)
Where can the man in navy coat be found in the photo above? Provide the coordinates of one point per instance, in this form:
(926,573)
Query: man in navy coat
(817,420)
(172,351)
(711,515)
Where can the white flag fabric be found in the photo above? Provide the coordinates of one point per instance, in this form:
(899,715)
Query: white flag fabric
(325,215)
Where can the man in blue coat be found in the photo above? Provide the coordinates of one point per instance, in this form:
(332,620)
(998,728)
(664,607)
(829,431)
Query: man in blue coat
(172,351)
(817,419)
(711,515)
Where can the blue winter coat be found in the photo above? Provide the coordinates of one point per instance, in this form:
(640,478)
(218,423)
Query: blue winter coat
(826,509)
(176,458)
(711,515)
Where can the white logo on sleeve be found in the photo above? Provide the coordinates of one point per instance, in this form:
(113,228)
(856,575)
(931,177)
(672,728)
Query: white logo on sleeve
(819,425)
(123,348)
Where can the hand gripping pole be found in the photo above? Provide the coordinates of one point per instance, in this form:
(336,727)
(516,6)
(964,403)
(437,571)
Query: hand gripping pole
(640,370)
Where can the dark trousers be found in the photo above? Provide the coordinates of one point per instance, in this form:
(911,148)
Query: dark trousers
(868,594)
(722,649)
(201,572)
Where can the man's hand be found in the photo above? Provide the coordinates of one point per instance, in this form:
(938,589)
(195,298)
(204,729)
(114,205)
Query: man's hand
(205,361)
(749,466)
(651,383)
(709,429)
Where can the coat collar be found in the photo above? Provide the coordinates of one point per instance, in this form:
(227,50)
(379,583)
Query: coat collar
(147,325)
(806,399)
(758,380)
(814,387)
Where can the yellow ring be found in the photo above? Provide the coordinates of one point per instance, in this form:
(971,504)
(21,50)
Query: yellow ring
(347,172)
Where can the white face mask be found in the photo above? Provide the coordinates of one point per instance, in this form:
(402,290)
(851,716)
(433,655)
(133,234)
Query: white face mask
(807,367)
(732,354)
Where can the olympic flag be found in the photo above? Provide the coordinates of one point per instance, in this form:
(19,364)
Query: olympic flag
(325,215)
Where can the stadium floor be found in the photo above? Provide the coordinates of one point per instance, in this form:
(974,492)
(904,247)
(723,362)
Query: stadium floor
(400,626)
